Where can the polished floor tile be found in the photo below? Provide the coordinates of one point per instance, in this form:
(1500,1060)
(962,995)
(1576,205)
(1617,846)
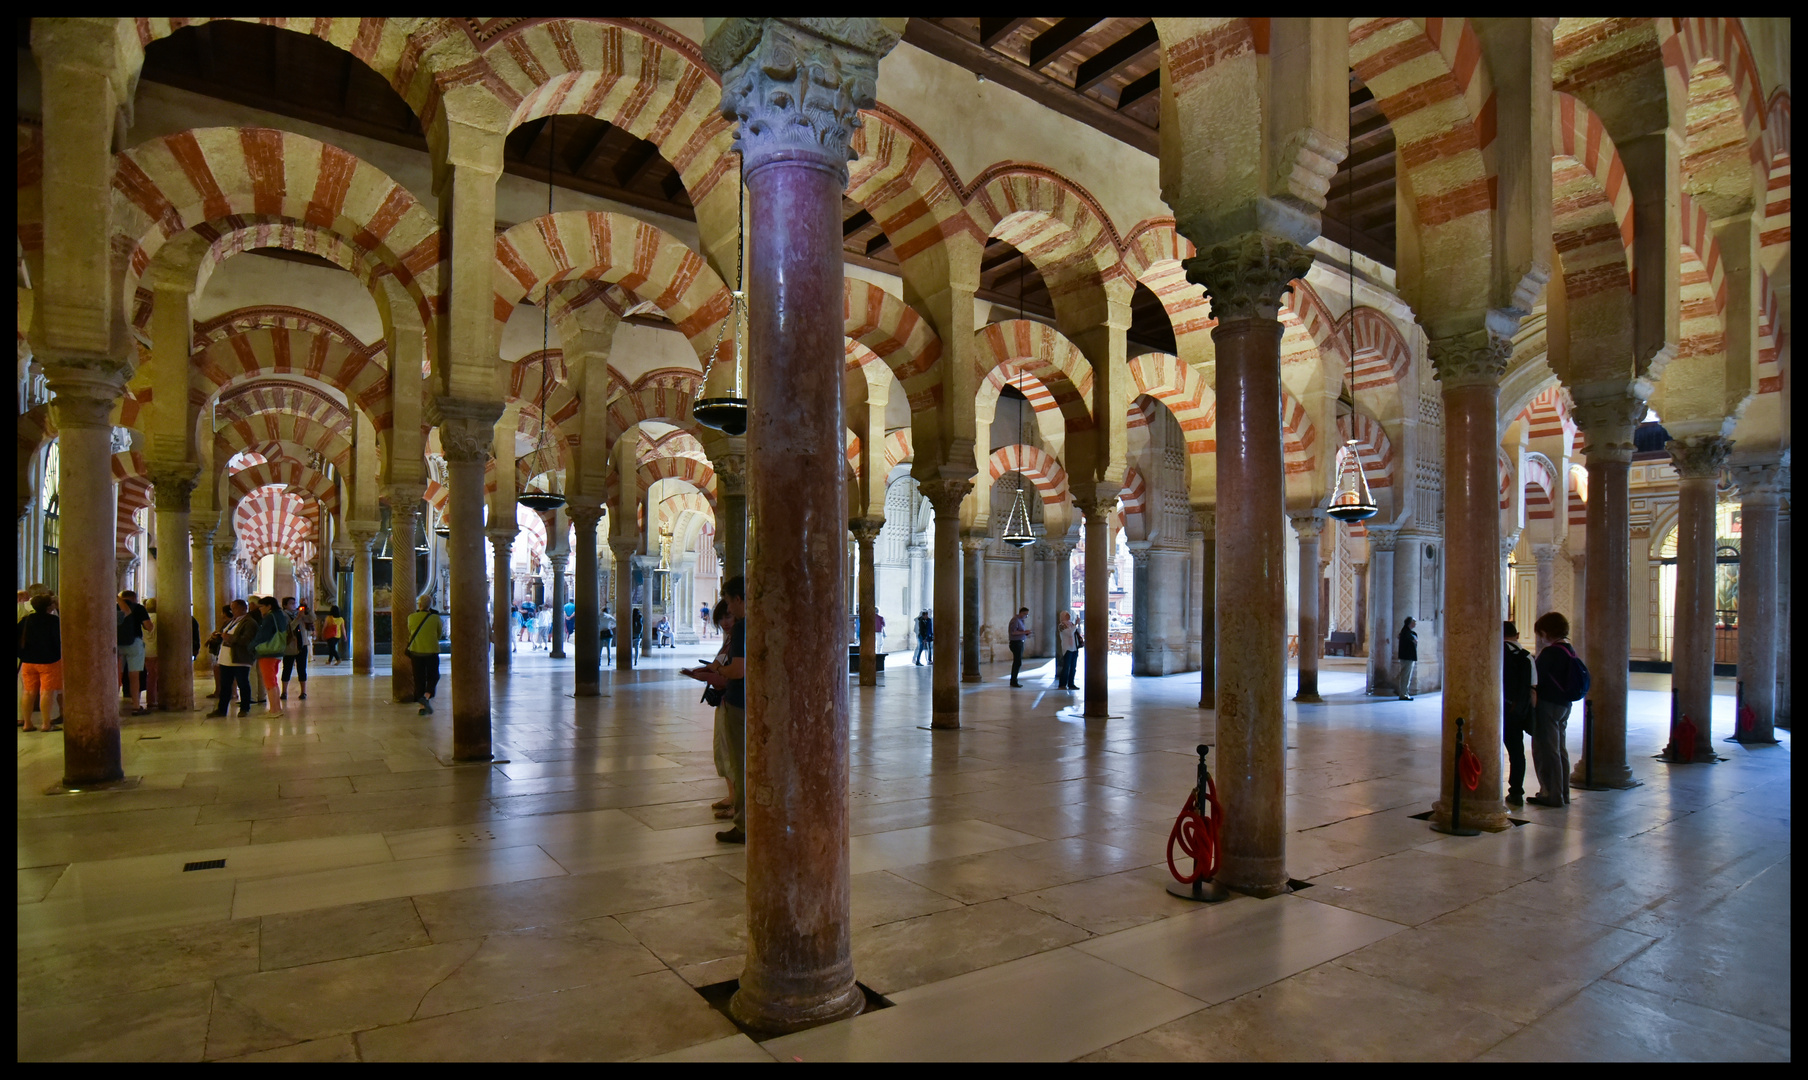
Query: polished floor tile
(1008,889)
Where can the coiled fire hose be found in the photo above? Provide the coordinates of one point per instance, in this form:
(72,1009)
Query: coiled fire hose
(1195,830)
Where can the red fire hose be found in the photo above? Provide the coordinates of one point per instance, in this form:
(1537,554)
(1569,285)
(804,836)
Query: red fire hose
(1197,836)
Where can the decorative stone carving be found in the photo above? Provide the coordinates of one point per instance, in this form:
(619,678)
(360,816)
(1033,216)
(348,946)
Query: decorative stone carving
(1095,505)
(85,392)
(172,483)
(404,497)
(797,85)
(1608,421)
(1383,539)
(1545,555)
(945,494)
(1700,458)
(466,428)
(1246,278)
(1207,522)
(1308,525)
(866,529)
(586,510)
(972,541)
(731,473)
(1471,359)
(1760,481)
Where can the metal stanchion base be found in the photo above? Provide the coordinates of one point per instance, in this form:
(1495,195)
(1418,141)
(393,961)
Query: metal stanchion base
(1752,742)
(1578,786)
(1454,832)
(1208,892)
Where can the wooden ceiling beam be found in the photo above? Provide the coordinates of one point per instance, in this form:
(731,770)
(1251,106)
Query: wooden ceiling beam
(1057,39)
(634,162)
(1114,57)
(580,161)
(852,225)
(877,244)
(993,31)
(1139,89)
(1050,93)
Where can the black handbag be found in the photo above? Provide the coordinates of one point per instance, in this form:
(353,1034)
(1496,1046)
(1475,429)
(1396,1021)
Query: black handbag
(712,695)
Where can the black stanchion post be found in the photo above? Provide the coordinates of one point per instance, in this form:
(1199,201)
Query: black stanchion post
(1455,827)
(1588,742)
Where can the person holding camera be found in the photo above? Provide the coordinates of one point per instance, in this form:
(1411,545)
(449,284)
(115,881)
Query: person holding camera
(730,677)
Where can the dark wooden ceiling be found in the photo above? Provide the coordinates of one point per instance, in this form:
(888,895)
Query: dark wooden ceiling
(1105,72)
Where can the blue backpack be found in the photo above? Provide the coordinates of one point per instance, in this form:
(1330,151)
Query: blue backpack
(1575,685)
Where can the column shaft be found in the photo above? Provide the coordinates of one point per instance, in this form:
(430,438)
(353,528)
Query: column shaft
(175,634)
(363,619)
(1098,605)
(1698,463)
(866,532)
(1311,637)
(502,542)
(467,442)
(1546,557)
(1208,613)
(1607,648)
(207,611)
(1758,615)
(588,598)
(625,642)
(403,508)
(972,548)
(558,605)
(1141,617)
(1381,613)
(945,495)
(1470,367)
(82,407)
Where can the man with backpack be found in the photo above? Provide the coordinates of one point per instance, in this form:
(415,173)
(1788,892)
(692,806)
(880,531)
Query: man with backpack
(1517,679)
(1562,681)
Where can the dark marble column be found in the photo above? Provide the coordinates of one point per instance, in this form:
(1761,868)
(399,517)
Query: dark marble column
(795,87)
(1095,506)
(1760,495)
(172,484)
(1308,526)
(1607,424)
(1247,279)
(558,604)
(945,496)
(625,642)
(84,393)
(1141,615)
(1381,611)
(1208,611)
(404,507)
(502,544)
(1783,655)
(360,615)
(731,486)
(1470,366)
(1698,463)
(207,611)
(585,513)
(866,532)
(466,432)
(973,546)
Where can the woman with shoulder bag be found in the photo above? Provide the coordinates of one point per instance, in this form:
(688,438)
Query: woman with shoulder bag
(236,659)
(269,644)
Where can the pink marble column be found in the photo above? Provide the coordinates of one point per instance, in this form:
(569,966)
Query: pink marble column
(1308,526)
(1698,463)
(1381,611)
(404,507)
(1760,495)
(207,612)
(731,484)
(466,432)
(866,532)
(626,644)
(945,495)
(172,484)
(795,87)
(585,513)
(557,650)
(1095,507)
(1470,366)
(84,394)
(361,617)
(1607,424)
(1247,279)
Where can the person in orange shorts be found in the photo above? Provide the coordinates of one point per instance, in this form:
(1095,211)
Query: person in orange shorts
(41,662)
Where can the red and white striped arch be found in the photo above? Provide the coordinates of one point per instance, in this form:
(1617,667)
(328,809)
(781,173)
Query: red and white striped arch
(1374,450)
(1057,225)
(1727,93)
(647,261)
(1133,503)
(1773,238)
(697,474)
(1430,80)
(1770,369)
(664,396)
(905,182)
(1299,439)
(1036,464)
(304,482)
(1043,352)
(898,448)
(1703,327)
(281,434)
(1581,137)
(649,82)
(1309,324)
(166,186)
(1591,204)
(1578,496)
(1547,417)
(1179,386)
(1540,489)
(272,519)
(897,335)
(134,495)
(1154,254)
(674,443)
(246,400)
(1505,468)
(1382,358)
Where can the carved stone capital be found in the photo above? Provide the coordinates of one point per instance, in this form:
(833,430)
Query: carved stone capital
(1307,525)
(200,533)
(172,483)
(404,497)
(343,553)
(796,86)
(84,390)
(501,537)
(622,549)
(1139,554)
(1607,422)
(364,539)
(1247,278)
(1700,458)
(467,429)
(1475,358)
(1544,554)
(1207,523)
(731,473)
(945,494)
(1760,481)
(1095,504)
(972,541)
(585,510)
(866,529)
(1054,550)
(1508,542)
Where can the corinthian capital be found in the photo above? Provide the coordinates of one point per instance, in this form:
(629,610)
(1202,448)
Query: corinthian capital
(1607,421)
(1308,525)
(866,529)
(585,510)
(466,428)
(1095,502)
(731,473)
(1475,358)
(797,85)
(1247,277)
(1700,458)
(945,494)
(404,498)
(173,482)
(84,390)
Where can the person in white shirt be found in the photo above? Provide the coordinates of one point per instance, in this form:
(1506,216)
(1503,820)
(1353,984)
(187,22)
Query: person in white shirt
(608,636)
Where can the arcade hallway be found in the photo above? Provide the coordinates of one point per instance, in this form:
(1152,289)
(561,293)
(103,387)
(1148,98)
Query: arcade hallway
(1007,891)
